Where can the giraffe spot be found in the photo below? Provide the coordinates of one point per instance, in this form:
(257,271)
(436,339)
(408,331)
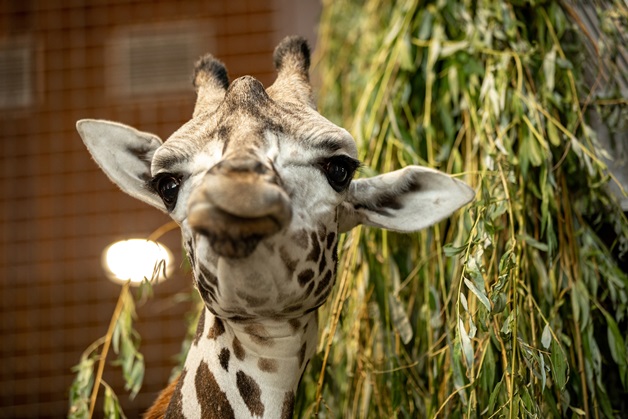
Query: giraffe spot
(305,277)
(323,284)
(322,232)
(302,353)
(223,132)
(251,393)
(316,248)
(382,205)
(309,289)
(209,277)
(287,409)
(295,323)
(200,327)
(206,290)
(251,300)
(258,334)
(322,264)
(223,357)
(293,308)
(238,350)
(321,300)
(217,329)
(300,239)
(267,365)
(239,318)
(175,407)
(213,401)
(291,265)
(331,239)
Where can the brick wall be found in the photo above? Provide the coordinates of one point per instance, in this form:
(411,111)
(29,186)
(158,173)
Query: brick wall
(58,211)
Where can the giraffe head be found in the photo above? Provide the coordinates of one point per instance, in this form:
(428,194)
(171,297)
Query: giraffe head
(262,185)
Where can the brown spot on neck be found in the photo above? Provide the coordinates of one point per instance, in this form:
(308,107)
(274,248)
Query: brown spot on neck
(251,393)
(259,334)
(224,357)
(331,240)
(213,401)
(267,365)
(288,405)
(200,327)
(316,248)
(323,284)
(305,277)
(300,239)
(295,323)
(217,329)
(291,265)
(238,350)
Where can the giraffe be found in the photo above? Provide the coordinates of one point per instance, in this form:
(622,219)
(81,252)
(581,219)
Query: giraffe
(261,186)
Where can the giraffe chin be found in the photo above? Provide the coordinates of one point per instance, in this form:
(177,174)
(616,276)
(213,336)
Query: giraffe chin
(234,249)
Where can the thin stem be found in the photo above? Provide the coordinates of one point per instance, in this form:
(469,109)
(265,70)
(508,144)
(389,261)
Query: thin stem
(106,345)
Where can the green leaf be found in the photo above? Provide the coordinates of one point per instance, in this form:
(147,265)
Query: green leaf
(549,66)
(494,397)
(552,134)
(400,319)
(559,365)
(534,243)
(618,349)
(111,405)
(546,338)
(467,348)
(481,294)
(449,250)
(487,375)
(451,48)
(542,370)
(136,377)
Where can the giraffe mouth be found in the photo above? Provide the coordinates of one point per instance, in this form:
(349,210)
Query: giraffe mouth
(230,235)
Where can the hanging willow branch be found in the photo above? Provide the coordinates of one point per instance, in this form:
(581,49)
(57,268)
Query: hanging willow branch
(512,307)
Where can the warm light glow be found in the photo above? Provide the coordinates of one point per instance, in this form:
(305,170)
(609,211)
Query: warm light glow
(136,259)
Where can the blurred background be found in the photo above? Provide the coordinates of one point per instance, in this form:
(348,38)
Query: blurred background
(124,60)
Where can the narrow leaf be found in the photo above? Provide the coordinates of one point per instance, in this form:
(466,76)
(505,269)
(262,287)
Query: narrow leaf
(546,337)
(467,348)
(480,294)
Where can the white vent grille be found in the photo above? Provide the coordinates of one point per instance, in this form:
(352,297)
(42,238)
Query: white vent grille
(154,60)
(16,76)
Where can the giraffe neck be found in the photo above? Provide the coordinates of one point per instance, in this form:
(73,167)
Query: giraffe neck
(244,369)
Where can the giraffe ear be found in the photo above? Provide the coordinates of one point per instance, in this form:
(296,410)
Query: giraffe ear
(405,200)
(124,154)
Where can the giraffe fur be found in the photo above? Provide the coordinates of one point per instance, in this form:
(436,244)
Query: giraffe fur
(261,186)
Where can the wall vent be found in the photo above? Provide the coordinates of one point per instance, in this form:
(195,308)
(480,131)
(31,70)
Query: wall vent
(154,60)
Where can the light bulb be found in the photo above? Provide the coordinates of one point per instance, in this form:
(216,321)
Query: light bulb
(136,259)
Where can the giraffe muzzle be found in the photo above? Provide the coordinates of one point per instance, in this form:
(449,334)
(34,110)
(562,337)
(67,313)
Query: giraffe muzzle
(237,208)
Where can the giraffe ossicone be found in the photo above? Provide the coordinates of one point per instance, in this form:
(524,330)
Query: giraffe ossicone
(261,185)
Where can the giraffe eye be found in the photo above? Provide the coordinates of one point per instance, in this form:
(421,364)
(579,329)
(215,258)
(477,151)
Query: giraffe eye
(339,171)
(167,187)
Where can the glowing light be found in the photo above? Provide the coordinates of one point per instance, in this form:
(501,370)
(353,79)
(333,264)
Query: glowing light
(136,259)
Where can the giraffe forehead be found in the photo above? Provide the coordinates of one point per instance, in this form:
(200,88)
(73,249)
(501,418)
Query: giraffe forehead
(251,128)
